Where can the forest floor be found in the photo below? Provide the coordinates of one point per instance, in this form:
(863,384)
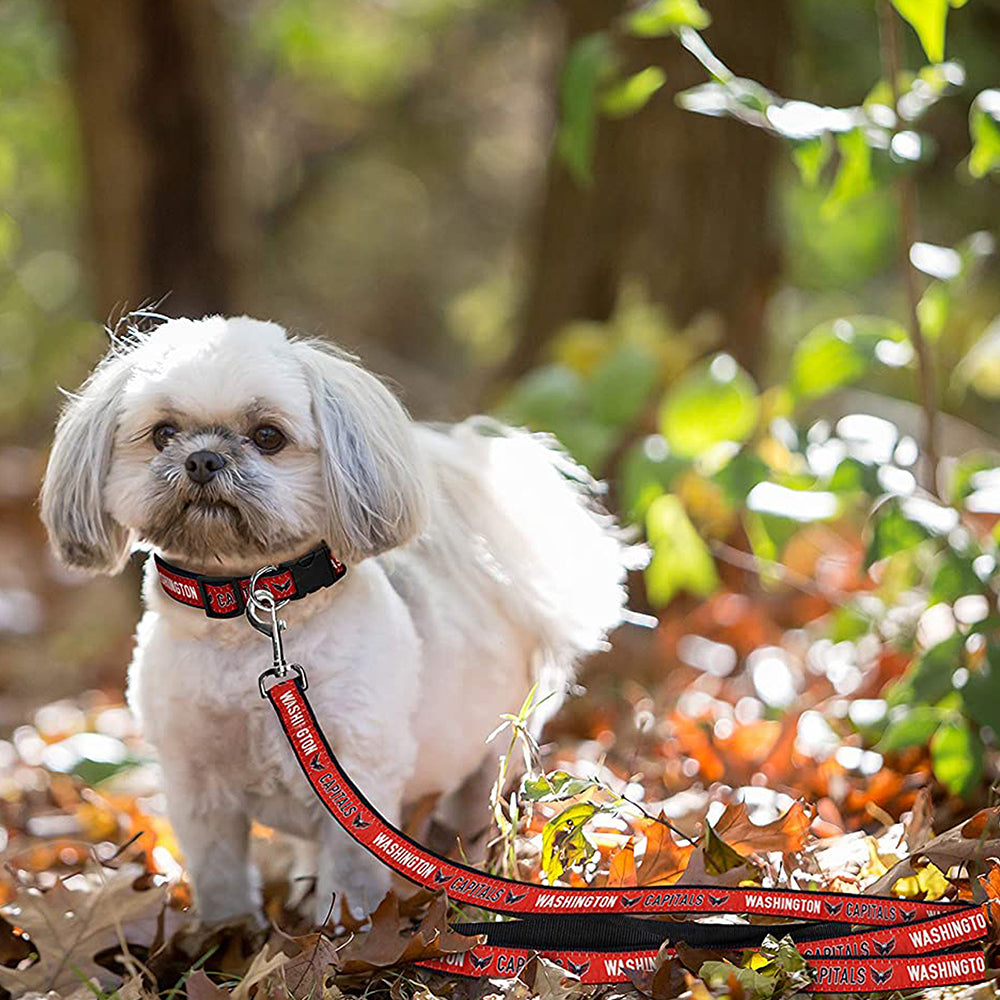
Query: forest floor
(738,720)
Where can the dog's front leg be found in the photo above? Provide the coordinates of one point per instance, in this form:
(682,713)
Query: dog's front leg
(214,838)
(348,874)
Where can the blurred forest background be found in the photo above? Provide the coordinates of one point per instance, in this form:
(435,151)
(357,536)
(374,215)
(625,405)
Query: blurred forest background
(737,255)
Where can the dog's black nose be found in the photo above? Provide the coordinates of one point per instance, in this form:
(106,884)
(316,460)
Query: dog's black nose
(202,466)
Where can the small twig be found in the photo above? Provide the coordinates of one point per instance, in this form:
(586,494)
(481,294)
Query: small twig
(906,196)
(756,564)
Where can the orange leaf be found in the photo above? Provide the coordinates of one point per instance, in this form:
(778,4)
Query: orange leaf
(664,859)
(622,870)
(991,882)
(787,833)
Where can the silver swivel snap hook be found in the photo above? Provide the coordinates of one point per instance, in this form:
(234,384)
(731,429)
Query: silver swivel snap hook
(262,613)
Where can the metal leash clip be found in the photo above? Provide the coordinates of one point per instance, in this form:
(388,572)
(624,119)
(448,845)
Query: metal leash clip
(262,613)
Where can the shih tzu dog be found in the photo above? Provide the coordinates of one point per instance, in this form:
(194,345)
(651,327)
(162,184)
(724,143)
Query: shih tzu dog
(475,567)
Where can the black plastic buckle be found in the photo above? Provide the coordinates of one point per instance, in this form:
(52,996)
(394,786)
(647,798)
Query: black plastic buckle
(220,581)
(314,570)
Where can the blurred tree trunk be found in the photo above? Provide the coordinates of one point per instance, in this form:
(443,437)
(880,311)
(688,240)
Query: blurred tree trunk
(679,201)
(160,154)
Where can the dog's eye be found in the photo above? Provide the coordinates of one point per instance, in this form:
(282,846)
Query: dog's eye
(268,439)
(162,434)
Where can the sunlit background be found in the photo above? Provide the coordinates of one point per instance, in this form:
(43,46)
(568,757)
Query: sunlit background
(708,256)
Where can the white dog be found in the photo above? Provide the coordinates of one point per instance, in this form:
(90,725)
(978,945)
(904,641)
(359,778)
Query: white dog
(475,567)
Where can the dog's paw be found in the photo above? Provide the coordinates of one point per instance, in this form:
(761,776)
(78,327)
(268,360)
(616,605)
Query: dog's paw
(249,929)
(352,900)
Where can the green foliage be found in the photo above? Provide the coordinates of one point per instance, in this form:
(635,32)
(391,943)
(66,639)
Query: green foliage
(984,127)
(664,17)
(776,969)
(840,352)
(681,561)
(854,176)
(586,66)
(633,93)
(957,756)
(928,19)
(715,402)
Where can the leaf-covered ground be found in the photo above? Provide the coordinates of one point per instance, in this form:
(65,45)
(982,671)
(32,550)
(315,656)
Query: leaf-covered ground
(669,769)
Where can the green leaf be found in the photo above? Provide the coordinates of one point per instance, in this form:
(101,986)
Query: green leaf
(967,476)
(957,757)
(811,157)
(741,474)
(849,622)
(930,677)
(984,127)
(714,402)
(555,786)
(839,352)
(901,524)
(545,398)
(981,693)
(928,18)
(633,93)
(855,476)
(955,578)
(563,838)
(933,308)
(681,560)
(913,730)
(622,384)
(664,17)
(753,984)
(648,471)
(586,64)
(854,175)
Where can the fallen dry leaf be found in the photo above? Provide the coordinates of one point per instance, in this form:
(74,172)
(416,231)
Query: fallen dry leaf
(306,972)
(787,833)
(970,844)
(621,871)
(68,927)
(664,859)
(266,963)
(388,942)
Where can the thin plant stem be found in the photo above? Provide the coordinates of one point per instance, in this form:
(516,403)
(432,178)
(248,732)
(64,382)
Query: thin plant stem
(905,192)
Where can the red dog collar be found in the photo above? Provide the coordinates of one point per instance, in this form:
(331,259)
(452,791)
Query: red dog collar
(226,596)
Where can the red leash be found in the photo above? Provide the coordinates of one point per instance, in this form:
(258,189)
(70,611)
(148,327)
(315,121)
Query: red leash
(595,933)
(909,950)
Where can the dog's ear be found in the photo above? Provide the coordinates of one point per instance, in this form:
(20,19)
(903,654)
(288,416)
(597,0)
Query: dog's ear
(375,477)
(81,531)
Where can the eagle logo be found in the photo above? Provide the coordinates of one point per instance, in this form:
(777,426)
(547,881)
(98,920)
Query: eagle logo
(885,947)
(833,909)
(578,970)
(881,977)
(440,878)
(360,823)
(907,914)
(717,900)
(512,898)
(315,763)
(282,587)
(479,964)
(630,900)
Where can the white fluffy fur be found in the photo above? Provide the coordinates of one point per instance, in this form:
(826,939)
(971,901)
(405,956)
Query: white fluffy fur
(475,569)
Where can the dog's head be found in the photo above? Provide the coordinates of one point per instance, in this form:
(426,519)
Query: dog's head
(222,439)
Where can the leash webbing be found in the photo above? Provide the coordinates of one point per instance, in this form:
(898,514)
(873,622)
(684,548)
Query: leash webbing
(912,946)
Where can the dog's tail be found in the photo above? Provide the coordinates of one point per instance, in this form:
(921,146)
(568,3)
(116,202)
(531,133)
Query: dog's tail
(559,559)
